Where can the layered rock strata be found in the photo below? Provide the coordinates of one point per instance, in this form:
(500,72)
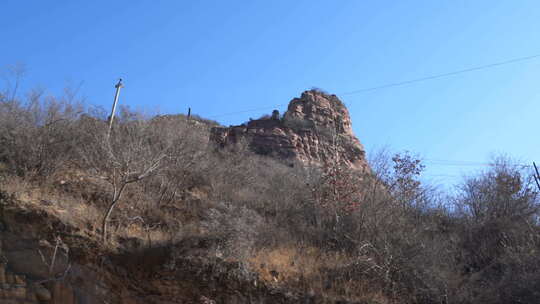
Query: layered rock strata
(315,129)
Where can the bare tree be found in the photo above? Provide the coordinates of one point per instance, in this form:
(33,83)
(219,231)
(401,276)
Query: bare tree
(37,134)
(129,155)
(504,192)
(13,76)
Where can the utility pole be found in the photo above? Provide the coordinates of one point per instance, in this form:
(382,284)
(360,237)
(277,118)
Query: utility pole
(536,175)
(118,86)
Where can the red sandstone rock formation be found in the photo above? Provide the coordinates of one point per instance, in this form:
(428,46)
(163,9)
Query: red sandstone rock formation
(315,129)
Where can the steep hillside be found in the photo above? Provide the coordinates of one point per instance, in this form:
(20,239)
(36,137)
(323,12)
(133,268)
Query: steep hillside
(154,213)
(48,259)
(283,209)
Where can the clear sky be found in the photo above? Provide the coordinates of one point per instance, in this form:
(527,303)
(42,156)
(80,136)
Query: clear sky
(219,57)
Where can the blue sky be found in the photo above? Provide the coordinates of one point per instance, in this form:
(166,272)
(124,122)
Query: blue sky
(219,57)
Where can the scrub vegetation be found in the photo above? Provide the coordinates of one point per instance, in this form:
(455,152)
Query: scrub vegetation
(376,237)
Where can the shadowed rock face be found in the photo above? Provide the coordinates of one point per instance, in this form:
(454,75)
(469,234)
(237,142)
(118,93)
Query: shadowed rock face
(316,128)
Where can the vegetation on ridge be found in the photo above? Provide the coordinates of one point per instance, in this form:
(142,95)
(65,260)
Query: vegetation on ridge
(382,237)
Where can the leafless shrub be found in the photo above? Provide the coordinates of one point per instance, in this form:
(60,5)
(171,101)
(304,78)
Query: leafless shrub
(318,90)
(59,251)
(206,121)
(38,135)
(498,233)
(236,228)
(136,150)
(382,230)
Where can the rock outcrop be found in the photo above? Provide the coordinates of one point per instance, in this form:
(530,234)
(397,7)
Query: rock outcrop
(315,129)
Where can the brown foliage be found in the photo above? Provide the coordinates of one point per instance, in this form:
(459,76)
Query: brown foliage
(381,235)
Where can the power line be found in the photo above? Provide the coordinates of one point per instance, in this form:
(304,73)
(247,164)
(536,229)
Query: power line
(247,111)
(442,162)
(402,83)
(464,163)
(431,77)
(441,176)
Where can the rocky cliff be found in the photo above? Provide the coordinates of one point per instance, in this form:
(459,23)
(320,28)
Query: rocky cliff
(315,129)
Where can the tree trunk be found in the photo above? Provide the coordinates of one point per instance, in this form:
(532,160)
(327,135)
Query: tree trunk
(106,219)
(115,200)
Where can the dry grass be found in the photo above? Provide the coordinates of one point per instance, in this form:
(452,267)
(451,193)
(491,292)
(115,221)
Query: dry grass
(294,263)
(308,268)
(69,209)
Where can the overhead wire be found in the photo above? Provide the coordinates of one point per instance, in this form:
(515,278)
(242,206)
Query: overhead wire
(464,163)
(402,83)
(447,74)
(459,163)
(435,162)
(247,111)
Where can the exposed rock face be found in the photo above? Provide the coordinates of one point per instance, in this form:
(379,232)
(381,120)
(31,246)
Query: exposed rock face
(316,128)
